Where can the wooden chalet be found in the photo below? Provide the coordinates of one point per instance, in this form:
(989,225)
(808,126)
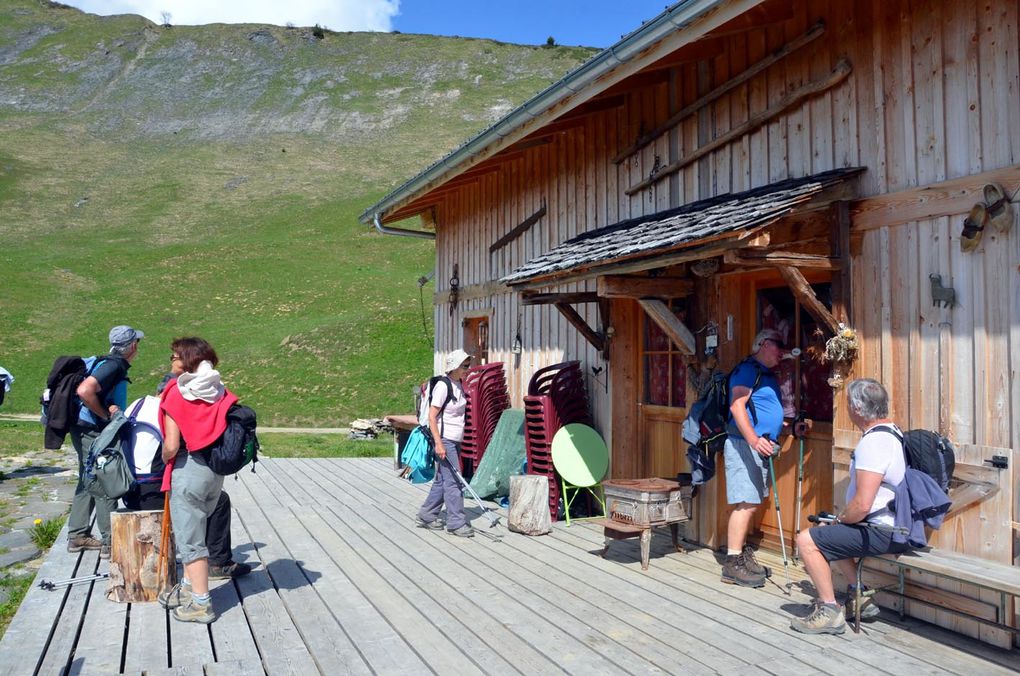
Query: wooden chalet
(740,164)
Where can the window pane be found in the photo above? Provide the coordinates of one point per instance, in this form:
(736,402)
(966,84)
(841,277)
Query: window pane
(679,398)
(655,339)
(657,379)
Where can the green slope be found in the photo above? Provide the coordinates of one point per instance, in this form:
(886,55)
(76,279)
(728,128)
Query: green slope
(207,180)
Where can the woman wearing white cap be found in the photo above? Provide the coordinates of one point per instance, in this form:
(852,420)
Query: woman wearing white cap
(446,408)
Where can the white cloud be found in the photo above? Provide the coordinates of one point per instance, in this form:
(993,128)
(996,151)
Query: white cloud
(339,15)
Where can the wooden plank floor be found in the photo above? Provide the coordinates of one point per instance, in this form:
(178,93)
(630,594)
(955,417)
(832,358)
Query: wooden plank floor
(345,583)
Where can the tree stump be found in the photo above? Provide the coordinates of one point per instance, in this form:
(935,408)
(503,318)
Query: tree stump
(134,556)
(529,505)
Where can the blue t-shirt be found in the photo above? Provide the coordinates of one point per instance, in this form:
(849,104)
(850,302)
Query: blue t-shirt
(111,372)
(768,404)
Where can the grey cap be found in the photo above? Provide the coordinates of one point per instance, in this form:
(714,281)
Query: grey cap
(122,336)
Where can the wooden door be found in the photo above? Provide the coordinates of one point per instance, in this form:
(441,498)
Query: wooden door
(664,397)
(757,301)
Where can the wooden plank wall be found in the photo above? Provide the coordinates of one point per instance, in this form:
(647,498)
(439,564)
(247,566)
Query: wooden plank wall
(933,96)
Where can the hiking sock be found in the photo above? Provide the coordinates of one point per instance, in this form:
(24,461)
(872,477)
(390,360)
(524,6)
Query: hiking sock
(733,552)
(201,599)
(185,581)
(833,605)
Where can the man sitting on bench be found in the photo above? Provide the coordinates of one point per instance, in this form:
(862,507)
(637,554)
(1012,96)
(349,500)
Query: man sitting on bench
(876,467)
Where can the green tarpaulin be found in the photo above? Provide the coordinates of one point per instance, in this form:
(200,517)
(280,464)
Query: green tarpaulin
(503,456)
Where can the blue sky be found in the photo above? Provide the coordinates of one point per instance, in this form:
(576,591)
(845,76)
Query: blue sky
(592,23)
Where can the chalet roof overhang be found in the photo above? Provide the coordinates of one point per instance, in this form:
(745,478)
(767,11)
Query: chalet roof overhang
(694,231)
(681,24)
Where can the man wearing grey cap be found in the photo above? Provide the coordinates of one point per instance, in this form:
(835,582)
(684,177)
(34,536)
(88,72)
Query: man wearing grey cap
(103,392)
(756,410)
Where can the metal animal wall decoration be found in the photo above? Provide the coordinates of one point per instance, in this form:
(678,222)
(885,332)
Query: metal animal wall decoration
(946,295)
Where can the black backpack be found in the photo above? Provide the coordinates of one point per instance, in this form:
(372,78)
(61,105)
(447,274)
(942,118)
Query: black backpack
(237,446)
(710,414)
(927,452)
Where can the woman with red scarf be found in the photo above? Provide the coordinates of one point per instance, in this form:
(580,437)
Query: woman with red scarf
(193,415)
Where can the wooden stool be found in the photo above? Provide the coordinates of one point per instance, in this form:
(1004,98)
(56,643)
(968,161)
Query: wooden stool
(617,530)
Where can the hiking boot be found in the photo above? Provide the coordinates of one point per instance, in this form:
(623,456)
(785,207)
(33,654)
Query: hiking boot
(822,620)
(435,524)
(176,596)
(735,572)
(195,612)
(751,563)
(464,531)
(229,570)
(104,551)
(82,542)
(869,611)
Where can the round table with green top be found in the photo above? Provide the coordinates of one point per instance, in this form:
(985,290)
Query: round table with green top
(581,457)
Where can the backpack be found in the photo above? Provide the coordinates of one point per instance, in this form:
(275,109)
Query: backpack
(928,452)
(237,446)
(107,471)
(705,425)
(142,441)
(418,456)
(425,396)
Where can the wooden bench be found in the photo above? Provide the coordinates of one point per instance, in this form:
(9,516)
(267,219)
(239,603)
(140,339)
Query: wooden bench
(996,577)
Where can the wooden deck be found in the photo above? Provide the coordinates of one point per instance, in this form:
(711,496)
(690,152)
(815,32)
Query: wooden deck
(347,584)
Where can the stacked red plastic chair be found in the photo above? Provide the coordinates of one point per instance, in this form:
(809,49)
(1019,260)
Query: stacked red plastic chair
(556,397)
(487,398)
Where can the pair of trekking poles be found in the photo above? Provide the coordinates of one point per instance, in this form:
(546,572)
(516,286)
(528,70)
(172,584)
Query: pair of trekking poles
(799,420)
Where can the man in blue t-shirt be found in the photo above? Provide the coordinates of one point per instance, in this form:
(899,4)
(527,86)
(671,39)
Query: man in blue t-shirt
(756,410)
(102,394)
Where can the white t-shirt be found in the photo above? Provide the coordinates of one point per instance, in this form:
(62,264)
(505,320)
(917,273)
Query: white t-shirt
(452,424)
(882,453)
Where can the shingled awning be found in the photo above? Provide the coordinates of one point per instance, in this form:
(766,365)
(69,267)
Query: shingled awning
(702,226)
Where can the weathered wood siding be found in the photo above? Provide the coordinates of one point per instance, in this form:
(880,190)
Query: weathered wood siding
(933,96)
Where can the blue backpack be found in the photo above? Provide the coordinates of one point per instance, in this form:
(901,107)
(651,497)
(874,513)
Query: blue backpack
(419,457)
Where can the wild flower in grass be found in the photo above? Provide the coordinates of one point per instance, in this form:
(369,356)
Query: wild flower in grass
(44,533)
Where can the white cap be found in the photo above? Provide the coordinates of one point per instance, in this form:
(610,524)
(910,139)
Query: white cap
(455,359)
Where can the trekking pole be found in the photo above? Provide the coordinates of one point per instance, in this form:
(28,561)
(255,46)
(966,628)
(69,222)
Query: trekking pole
(800,419)
(493,518)
(779,515)
(51,586)
(164,543)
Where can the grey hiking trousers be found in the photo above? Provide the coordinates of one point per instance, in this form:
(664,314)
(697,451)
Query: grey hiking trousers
(446,489)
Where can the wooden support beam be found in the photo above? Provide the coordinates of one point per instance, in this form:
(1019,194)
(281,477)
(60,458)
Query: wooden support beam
(967,495)
(664,318)
(813,33)
(803,292)
(604,317)
(471,292)
(532,298)
(794,98)
(519,230)
(614,286)
(840,250)
(577,321)
(758,258)
(949,198)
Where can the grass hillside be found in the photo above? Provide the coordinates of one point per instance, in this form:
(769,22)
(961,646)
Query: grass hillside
(207,180)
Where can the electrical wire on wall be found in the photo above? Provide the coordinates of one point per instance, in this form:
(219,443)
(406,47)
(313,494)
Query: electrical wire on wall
(422,281)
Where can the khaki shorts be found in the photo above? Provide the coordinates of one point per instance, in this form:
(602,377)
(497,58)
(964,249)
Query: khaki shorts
(194,491)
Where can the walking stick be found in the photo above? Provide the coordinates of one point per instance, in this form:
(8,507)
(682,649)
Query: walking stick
(779,515)
(800,419)
(164,543)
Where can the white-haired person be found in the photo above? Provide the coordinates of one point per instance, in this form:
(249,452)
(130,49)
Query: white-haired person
(447,405)
(877,466)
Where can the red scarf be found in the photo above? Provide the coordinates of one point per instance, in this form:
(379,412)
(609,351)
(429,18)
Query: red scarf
(201,423)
